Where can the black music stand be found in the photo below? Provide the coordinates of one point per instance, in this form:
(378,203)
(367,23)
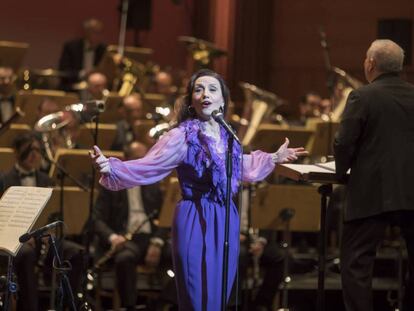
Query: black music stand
(326,177)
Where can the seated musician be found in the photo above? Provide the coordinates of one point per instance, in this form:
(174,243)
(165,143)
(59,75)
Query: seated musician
(81,55)
(97,86)
(130,211)
(26,173)
(132,110)
(260,250)
(7,93)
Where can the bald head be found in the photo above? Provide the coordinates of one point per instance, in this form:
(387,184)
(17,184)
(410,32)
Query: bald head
(388,55)
(383,56)
(135,150)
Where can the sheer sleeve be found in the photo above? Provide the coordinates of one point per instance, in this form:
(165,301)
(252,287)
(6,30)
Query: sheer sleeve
(160,160)
(257,165)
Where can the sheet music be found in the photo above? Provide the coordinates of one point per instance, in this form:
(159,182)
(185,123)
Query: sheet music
(307,168)
(327,165)
(19,208)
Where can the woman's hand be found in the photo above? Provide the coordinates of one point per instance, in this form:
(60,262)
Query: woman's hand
(101,162)
(285,154)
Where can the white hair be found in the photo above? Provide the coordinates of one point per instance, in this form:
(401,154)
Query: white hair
(388,55)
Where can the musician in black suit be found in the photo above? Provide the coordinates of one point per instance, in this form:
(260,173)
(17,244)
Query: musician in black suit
(132,110)
(26,173)
(7,93)
(376,141)
(80,56)
(130,211)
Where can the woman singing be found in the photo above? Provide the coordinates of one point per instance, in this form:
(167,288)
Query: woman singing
(196,147)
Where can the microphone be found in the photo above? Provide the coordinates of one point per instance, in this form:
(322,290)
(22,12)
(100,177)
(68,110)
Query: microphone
(86,110)
(219,117)
(28,235)
(97,105)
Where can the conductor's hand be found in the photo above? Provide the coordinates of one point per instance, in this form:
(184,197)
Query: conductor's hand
(285,154)
(101,162)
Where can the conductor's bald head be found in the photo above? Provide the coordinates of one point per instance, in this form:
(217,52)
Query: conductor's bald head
(383,56)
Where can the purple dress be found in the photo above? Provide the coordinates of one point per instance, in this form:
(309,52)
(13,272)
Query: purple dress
(198,225)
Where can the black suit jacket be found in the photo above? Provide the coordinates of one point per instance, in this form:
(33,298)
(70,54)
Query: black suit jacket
(376,140)
(121,138)
(112,209)
(71,59)
(11,178)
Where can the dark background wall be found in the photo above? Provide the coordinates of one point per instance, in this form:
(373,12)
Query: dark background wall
(47,24)
(297,62)
(272,43)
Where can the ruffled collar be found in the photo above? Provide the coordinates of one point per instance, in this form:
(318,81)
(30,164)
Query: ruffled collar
(203,154)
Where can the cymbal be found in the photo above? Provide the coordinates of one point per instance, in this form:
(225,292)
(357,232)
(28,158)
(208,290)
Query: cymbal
(199,44)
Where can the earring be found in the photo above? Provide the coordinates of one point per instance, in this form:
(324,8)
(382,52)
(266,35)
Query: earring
(191,110)
(221,109)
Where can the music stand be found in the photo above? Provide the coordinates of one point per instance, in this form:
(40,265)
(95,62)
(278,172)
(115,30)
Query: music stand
(107,133)
(108,67)
(29,101)
(7,159)
(153,100)
(269,137)
(322,141)
(78,163)
(6,139)
(272,199)
(142,131)
(286,208)
(111,113)
(76,209)
(12,54)
(318,173)
(138,54)
(171,198)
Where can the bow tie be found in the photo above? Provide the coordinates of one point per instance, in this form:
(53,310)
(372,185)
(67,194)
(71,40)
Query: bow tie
(24,175)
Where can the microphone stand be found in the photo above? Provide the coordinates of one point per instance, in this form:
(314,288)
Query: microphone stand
(89,223)
(11,287)
(330,85)
(286,215)
(64,280)
(63,173)
(229,171)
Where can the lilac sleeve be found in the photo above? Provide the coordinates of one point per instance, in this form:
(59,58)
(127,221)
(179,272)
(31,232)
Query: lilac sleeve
(160,160)
(257,165)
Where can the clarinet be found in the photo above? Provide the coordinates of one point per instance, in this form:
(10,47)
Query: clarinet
(110,254)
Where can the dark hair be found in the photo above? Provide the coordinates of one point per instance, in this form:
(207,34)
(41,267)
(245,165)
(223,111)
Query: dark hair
(183,113)
(22,144)
(304,98)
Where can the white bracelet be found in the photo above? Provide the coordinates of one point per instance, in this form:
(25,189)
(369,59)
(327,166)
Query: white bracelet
(275,157)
